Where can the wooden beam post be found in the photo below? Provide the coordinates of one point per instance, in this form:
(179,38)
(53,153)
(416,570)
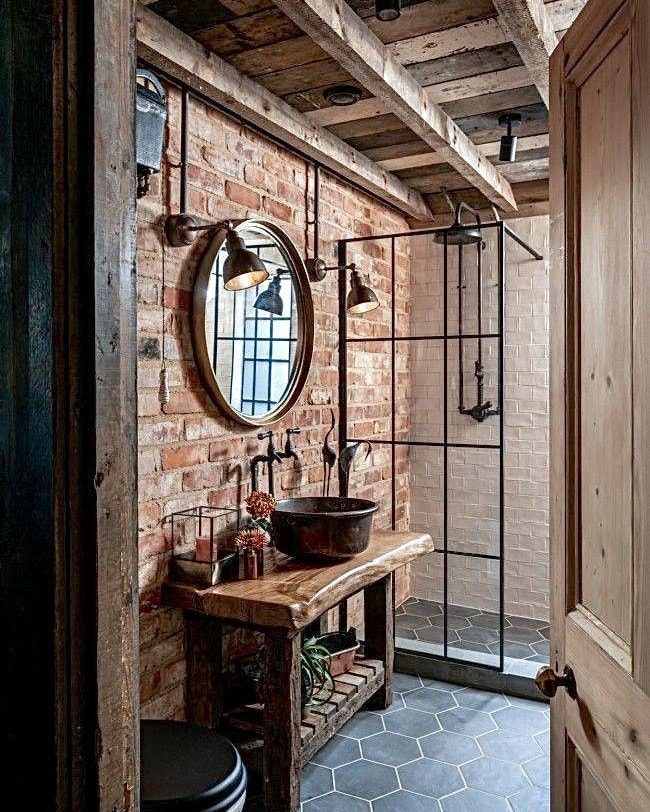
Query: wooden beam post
(379,628)
(340,32)
(168,49)
(531,28)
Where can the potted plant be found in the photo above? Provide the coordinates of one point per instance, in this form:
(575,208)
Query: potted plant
(342,648)
(317,681)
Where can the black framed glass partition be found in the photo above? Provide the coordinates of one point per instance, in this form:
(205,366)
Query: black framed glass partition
(422,380)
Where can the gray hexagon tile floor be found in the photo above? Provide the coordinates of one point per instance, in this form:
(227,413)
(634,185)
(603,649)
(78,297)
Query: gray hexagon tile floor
(473,630)
(438,748)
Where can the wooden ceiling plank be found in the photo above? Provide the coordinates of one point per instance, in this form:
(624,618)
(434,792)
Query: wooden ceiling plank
(490,150)
(169,50)
(340,32)
(531,28)
(532,200)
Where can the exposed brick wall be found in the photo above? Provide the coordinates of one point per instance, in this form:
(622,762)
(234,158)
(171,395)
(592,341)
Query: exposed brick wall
(473,475)
(189,453)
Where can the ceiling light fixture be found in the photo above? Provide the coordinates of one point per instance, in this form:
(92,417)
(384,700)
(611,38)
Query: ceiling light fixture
(242,268)
(508,151)
(388,10)
(342,95)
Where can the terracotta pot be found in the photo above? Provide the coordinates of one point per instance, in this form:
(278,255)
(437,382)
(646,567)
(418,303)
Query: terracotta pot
(250,565)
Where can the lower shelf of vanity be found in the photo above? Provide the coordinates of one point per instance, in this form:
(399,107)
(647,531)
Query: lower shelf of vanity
(352,690)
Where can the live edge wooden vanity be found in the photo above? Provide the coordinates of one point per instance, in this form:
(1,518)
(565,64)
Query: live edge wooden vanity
(282,603)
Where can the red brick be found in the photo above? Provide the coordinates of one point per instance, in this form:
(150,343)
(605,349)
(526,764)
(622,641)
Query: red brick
(183,403)
(242,195)
(279,210)
(183,456)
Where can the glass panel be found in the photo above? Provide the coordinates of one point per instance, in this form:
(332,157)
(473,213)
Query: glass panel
(473,501)
(419,391)
(369,390)
(373,261)
(463,428)
(473,609)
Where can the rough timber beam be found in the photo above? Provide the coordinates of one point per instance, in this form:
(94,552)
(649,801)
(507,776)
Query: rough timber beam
(529,25)
(336,28)
(169,50)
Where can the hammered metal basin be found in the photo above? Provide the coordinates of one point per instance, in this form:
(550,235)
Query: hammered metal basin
(325,527)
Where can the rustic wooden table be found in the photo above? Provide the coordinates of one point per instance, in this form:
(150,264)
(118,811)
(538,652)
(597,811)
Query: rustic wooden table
(282,603)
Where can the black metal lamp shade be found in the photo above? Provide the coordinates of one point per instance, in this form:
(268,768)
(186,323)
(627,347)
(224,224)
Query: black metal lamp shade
(270,299)
(242,268)
(361,298)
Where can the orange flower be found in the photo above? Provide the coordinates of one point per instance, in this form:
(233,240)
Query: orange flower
(251,538)
(260,504)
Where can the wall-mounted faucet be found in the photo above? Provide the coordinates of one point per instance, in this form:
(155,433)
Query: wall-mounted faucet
(269,458)
(289,450)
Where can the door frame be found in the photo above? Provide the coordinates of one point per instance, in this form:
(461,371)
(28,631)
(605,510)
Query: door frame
(68,540)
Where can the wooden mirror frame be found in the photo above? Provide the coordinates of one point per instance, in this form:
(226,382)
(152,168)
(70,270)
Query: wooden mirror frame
(305,311)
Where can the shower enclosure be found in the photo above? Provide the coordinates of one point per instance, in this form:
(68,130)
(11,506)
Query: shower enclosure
(424,382)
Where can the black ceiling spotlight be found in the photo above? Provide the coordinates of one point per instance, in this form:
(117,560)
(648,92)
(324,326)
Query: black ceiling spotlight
(508,151)
(388,10)
(342,95)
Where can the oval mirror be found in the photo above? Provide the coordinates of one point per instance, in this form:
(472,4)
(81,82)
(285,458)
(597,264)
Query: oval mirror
(254,346)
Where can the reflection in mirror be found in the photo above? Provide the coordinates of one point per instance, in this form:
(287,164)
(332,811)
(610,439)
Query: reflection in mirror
(252,335)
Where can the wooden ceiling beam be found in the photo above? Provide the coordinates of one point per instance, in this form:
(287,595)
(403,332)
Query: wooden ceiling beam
(529,25)
(169,50)
(340,32)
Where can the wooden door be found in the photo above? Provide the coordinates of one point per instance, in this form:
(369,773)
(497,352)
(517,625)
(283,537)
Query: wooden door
(600,435)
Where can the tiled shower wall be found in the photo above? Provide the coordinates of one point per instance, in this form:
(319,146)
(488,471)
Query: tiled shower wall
(473,474)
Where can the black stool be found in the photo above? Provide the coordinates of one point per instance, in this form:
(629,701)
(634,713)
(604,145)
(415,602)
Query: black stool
(186,768)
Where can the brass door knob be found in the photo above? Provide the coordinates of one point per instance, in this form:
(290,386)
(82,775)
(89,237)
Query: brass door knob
(548,681)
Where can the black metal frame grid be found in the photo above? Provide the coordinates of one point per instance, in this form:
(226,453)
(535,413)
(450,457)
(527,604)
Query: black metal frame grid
(344,434)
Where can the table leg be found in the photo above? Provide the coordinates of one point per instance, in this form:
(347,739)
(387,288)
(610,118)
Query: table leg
(379,619)
(282,717)
(203,645)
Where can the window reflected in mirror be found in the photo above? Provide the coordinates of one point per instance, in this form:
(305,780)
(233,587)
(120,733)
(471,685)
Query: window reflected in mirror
(252,335)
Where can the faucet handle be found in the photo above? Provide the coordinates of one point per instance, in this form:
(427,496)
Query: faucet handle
(294,430)
(264,435)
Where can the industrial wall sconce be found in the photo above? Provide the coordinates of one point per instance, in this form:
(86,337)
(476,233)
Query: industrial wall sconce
(242,268)
(150,120)
(388,10)
(508,151)
(361,297)
(270,300)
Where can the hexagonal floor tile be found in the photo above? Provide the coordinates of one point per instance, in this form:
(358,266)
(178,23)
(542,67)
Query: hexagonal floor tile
(542,648)
(361,725)
(439,685)
(476,634)
(424,608)
(495,777)
(451,748)
(337,752)
(467,721)
(453,621)
(315,781)
(483,621)
(436,634)
(396,704)
(538,771)
(432,778)
(403,801)
(525,721)
(544,742)
(390,748)
(430,700)
(533,799)
(336,802)
(413,622)
(517,651)
(508,746)
(481,700)
(410,722)
(519,635)
(471,800)
(406,682)
(365,779)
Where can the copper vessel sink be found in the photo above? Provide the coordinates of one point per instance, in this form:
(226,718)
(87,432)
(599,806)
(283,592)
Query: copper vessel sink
(326,527)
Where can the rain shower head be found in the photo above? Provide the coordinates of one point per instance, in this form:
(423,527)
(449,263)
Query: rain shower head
(458,234)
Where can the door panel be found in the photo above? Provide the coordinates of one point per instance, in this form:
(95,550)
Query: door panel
(604,395)
(600,435)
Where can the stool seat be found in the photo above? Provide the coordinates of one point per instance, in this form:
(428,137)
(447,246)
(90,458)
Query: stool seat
(187,768)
